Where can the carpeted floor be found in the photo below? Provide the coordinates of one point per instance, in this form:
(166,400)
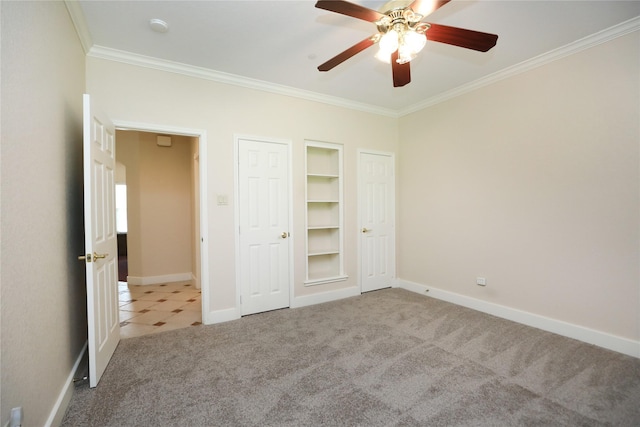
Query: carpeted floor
(385,358)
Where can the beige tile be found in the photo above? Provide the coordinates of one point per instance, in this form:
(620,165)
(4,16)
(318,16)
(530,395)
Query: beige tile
(127,315)
(186,317)
(169,305)
(180,296)
(138,305)
(193,306)
(151,317)
(175,296)
(153,296)
(135,330)
(192,294)
(155,288)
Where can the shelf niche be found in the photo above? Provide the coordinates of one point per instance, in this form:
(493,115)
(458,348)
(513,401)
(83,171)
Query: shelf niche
(324,217)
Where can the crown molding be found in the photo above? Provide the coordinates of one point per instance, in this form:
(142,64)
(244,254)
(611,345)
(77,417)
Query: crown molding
(77,17)
(102,52)
(546,58)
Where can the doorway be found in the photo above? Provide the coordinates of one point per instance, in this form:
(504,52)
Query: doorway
(161,291)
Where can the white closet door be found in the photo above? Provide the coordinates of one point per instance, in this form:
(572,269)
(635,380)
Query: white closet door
(263,179)
(377,220)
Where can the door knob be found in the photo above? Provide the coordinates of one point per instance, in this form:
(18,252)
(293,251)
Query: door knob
(284,235)
(89,257)
(365,230)
(86,258)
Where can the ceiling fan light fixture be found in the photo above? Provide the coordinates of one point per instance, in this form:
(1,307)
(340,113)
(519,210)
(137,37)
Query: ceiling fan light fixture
(411,17)
(389,43)
(405,40)
(405,54)
(383,56)
(402,34)
(414,41)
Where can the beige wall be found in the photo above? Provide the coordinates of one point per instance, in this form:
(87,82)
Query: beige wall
(532,182)
(194,154)
(136,94)
(43,305)
(128,153)
(159,189)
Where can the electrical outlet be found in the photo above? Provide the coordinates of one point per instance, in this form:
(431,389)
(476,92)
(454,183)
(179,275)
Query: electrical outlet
(481,281)
(16,417)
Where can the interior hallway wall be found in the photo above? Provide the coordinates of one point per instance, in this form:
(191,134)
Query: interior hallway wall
(534,183)
(159,189)
(43,320)
(195,210)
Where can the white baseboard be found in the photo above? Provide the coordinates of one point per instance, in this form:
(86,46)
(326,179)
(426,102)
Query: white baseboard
(601,339)
(196,281)
(321,297)
(64,398)
(226,315)
(155,280)
(220,316)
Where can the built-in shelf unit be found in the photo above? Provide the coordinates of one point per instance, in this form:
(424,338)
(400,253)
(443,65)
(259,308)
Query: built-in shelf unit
(324,213)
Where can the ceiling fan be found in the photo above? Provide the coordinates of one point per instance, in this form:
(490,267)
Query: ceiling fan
(402,34)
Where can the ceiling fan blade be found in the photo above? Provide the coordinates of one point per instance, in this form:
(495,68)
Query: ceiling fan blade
(460,37)
(341,57)
(425,7)
(401,72)
(349,9)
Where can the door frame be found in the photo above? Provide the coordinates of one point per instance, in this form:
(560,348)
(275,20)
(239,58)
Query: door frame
(236,197)
(392,156)
(201,134)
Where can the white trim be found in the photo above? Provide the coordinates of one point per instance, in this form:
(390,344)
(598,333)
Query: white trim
(201,134)
(546,58)
(64,398)
(154,280)
(220,316)
(326,280)
(195,281)
(150,127)
(236,195)
(591,336)
(110,54)
(323,297)
(80,24)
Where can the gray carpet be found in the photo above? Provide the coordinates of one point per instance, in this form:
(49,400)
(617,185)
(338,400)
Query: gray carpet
(386,358)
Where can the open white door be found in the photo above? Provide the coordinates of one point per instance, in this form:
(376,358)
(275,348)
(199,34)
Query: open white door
(100,240)
(377,220)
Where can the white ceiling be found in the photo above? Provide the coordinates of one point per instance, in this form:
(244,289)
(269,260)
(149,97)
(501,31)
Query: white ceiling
(282,42)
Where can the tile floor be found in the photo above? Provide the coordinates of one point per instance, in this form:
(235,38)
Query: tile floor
(155,308)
